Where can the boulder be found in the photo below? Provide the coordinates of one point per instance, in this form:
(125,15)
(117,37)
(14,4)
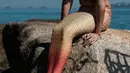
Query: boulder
(3,59)
(27,44)
(42,20)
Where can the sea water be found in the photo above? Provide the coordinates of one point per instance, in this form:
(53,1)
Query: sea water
(120,17)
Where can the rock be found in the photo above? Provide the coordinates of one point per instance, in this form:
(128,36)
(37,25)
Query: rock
(3,60)
(42,20)
(27,44)
(1,29)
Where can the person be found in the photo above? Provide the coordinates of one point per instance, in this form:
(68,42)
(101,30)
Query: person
(92,17)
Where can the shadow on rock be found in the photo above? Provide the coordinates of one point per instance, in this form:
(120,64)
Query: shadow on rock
(37,60)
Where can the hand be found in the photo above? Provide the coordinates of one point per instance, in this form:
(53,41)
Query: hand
(90,38)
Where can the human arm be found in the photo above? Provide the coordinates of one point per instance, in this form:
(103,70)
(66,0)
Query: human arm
(100,12)
(66,7)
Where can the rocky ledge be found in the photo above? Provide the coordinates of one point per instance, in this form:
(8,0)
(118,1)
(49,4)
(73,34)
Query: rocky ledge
(27,43)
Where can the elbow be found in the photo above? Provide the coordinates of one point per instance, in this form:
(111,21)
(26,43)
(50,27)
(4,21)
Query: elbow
(66,1)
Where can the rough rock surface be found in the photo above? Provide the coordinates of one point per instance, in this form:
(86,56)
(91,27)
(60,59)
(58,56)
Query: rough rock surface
(3,60)
(27,44)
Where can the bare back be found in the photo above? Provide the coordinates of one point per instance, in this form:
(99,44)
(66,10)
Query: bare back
(89,5)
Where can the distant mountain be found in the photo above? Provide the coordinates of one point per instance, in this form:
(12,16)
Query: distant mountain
(43,7)
(121,5)
(8,7)
(30,7)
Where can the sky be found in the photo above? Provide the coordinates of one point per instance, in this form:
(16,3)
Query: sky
(39,3)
